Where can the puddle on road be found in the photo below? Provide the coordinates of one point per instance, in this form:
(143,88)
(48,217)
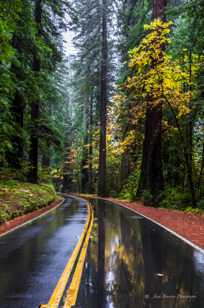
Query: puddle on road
(133,263)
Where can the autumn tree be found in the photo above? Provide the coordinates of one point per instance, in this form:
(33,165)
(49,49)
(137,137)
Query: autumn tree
(132,15)
(151,178)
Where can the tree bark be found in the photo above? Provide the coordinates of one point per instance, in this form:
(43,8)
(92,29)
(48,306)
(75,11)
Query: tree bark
(46,159)
(125,169)
(159,9)
(85,152)
(103,104)
(201,173)
(35,106)
(189,141)
(90,185)
(67,168)
(151,178)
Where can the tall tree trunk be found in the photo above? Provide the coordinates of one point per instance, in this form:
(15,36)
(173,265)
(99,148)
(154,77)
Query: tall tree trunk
(46,159)
(189,132)
(159,9)
(201,173)
(151,178)
(85,153)
(67,182)
(125,169)
(35,106)
(90,185)
(189,141)
(103,104)
(67,168)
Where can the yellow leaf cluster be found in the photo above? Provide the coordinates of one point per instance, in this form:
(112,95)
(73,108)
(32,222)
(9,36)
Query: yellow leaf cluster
(156,76)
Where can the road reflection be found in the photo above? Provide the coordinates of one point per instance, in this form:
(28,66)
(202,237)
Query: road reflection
(133,263)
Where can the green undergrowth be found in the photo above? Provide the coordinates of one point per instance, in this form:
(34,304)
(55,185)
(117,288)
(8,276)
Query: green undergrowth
(171,198)
(176,198)
(18,198)
(130,188)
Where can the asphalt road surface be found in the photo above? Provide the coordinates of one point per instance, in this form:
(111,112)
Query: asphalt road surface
(33,258)
(133,263)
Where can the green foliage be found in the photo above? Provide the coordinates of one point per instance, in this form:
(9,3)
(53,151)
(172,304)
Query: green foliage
(147,197)
(175,198)
(130,188)
(20,198)
(201,204)
(199,210)
(21,38)
(9,13)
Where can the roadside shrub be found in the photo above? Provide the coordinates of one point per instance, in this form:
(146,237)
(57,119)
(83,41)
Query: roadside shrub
(129,190)
(175,198)
(200,204)
(147,197)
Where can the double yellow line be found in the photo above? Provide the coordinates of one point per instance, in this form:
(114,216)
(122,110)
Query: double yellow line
(79,252)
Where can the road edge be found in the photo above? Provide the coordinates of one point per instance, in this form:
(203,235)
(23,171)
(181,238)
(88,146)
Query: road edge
(28,218)
(196,247)
(119,203)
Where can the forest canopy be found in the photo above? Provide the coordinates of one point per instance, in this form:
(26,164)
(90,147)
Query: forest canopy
(122,114)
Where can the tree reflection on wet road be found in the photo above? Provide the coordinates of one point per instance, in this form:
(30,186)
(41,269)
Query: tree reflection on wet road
(133,263)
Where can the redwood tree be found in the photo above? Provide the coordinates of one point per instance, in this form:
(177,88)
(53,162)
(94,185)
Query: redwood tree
(35,106)
(103,103)
(151,178)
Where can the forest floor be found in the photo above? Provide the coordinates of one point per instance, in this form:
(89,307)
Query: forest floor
(185,224)
(17,199)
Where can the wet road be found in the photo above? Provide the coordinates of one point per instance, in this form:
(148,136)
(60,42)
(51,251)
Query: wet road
(33,257)
(133,263)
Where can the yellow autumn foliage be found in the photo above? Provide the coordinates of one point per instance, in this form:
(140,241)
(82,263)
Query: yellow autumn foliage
(156,77)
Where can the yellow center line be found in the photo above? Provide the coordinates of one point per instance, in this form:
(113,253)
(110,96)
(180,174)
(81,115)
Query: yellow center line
(72,293)
(62,282)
